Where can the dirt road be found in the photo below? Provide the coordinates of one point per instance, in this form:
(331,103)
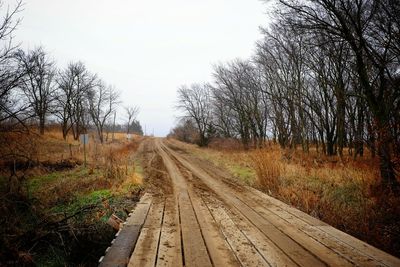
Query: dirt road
(194,216)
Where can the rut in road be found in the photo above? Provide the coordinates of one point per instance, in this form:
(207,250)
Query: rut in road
(210,221)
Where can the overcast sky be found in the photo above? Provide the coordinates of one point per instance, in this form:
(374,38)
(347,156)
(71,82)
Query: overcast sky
(146,49)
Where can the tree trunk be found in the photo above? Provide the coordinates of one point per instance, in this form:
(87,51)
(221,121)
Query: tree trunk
(101,137)
(341,114)
(384,136)
(330,147)
(371,137)
(64,132)
(41,124)
(387,169)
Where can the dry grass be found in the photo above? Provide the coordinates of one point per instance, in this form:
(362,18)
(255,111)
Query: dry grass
(268,168)
(309,181)
(52,147)
(109,166)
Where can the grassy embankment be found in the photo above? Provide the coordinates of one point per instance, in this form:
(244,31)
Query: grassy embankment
(343,193)
(58,214)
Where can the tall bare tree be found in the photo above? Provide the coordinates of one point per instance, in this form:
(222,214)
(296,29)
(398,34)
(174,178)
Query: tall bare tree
(371,30)
(10,71)
(238,88)
(38,83)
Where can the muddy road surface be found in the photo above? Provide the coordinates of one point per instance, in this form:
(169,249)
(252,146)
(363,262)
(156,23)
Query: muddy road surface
(193,215)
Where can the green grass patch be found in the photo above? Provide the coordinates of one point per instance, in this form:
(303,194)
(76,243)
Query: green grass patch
(348,194)
(245,174)
(35,183)
(80,200)
(240,171)
(138,167)
(38,181)
(131,188)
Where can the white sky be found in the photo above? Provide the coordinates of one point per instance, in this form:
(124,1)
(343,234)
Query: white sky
(146,49)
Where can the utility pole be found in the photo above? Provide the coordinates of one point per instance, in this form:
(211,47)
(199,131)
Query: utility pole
(113,130)
(84,151)
(84,138)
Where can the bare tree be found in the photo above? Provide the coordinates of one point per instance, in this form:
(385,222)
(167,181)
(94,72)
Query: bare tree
(131,113)
(239,90)
(38,82)
(195,101)
(74,85)
(102,101)
(371,30)
(10,71)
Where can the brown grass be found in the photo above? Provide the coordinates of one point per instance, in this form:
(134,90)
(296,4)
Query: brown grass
(268,168)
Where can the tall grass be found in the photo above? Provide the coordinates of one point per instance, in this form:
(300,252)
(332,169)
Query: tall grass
(268,168)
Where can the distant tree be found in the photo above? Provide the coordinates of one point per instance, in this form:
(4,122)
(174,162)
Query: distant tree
(102,101)
(38,82)
(136,127)
(185,131)
(195,101)
(131,113)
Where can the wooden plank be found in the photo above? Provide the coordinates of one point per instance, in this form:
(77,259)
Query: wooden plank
(347,246)
(119,253)
(170,250)
(294,250)
(324,253)
(298,213)
(330,242)
(194,248)
(145,252)
(138,215)
(273,254)
(244,250)
(218,248)
(380,256)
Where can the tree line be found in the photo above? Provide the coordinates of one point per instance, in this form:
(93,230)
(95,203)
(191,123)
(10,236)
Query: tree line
(326,74)
(32,87)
